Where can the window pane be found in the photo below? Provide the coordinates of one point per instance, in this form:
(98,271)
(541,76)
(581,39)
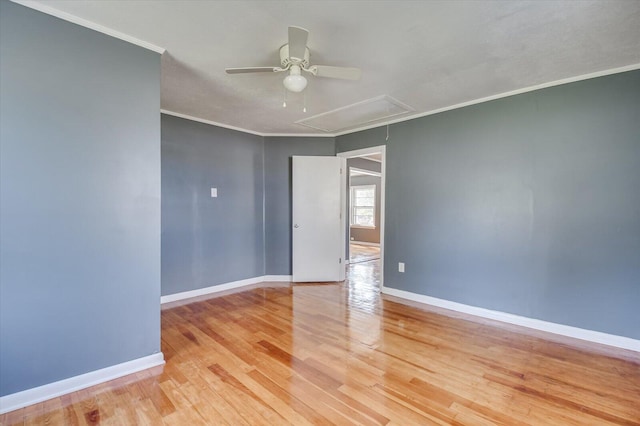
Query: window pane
(363,201)
(364,220)
(364,211)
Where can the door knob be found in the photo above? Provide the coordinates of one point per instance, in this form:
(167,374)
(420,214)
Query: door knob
(296,226)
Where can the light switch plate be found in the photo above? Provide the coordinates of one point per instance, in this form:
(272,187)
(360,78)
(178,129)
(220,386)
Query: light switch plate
(400,266)
(214,192)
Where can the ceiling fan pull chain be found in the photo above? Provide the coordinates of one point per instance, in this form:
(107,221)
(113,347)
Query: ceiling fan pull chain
(304,106)
(284,102)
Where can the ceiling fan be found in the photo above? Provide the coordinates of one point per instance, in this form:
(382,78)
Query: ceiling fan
(294,57)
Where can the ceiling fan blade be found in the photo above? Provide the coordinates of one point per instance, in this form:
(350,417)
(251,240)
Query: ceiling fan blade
(251,69)
(297,42)
(336,72)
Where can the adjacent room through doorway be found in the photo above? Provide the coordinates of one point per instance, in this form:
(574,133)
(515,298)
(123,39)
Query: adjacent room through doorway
(365,213)
(363,253)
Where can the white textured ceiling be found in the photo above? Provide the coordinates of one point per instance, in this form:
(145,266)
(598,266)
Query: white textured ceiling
(426,54)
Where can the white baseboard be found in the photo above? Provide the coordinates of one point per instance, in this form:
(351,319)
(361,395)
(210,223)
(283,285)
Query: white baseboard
(31,396)
(364,243)
(276,278)
(549,327)
(222,287)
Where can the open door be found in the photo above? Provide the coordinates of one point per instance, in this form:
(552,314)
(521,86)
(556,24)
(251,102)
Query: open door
(318,200)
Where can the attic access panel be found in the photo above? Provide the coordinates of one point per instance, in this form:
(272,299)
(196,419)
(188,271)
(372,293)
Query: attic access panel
(356,115)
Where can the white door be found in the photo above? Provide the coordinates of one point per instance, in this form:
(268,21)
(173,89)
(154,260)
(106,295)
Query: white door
(318,199)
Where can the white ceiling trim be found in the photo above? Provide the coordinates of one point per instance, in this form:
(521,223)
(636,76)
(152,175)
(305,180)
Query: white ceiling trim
(240,129)
(423,114)
(494,97)
(298,135)
(122,36)
(404,109)
(88,24)
(213,123)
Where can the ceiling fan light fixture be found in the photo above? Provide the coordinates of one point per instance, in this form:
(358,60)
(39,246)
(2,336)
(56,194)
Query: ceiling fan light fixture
(295,82)
(294,57)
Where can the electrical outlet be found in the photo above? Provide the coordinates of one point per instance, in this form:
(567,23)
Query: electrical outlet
(400,266)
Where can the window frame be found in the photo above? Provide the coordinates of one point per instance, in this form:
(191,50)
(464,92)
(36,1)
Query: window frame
(352,205)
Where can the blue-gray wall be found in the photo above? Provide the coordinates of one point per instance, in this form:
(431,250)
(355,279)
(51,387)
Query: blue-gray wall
(528,204)
(208,241)
(246,231)
(277,164)
(79,200)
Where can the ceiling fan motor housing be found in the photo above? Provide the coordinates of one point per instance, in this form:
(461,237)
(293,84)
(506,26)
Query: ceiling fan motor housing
(287,61)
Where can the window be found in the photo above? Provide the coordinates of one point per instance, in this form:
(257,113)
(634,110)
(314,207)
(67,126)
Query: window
(363,206)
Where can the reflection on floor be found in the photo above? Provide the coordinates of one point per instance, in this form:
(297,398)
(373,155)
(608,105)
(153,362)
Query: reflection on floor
(341,353)
(363,284)
(362,253)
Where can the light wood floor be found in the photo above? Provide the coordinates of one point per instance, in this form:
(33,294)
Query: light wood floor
(342,354)
(361,253)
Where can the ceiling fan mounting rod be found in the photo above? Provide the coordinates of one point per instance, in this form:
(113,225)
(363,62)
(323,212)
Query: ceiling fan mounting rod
(286,61)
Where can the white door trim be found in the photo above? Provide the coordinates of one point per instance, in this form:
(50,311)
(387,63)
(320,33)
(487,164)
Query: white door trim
(367,151)
(365,172)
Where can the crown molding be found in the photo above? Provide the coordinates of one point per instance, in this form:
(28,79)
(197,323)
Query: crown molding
(574,79)
(210,122)
(602,73)
(41,7)
(241,129)
(300,135)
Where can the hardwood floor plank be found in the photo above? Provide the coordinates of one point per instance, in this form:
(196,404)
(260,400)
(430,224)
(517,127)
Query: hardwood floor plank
(207,402)
(300,390)
(340,353)
(559,400)
(309,414)
(385,406)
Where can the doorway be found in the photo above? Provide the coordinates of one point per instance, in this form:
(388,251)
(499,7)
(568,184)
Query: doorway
(364,244)
(364,181)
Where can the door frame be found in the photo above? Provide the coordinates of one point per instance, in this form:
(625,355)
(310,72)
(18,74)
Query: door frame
(382,149)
